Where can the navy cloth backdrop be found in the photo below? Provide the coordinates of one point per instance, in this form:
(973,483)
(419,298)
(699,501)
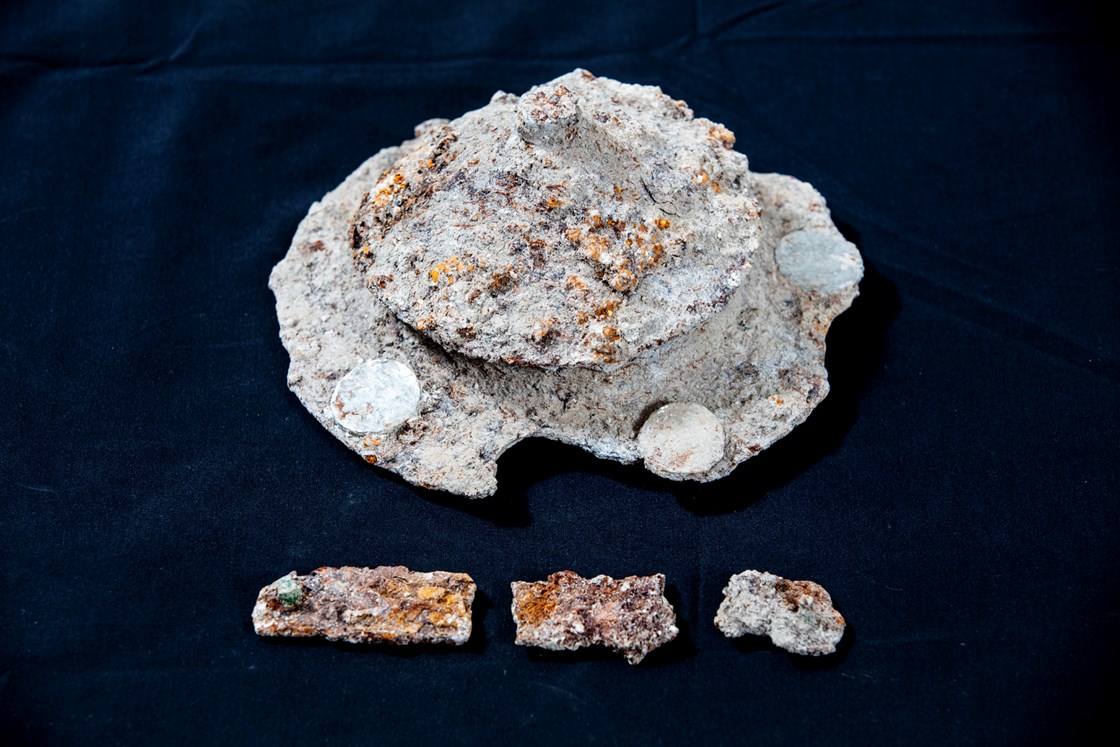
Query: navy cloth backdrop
(956,493)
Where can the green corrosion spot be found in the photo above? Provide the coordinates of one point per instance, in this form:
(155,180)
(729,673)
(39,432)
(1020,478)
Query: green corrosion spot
(289,591)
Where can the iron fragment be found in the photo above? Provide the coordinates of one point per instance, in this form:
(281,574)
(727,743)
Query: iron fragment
(798,616)
(567,612)
(387,604)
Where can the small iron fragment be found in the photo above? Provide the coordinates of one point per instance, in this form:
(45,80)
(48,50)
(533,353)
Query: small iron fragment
(567,612)
(797,615)
(387,604)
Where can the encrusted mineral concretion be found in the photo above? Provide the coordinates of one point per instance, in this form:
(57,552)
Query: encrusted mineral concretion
(581,223)
(388,604)
(567,612)
(797,615)
(588,263)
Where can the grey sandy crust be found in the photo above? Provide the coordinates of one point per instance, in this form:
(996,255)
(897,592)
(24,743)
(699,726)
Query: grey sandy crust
(691,408)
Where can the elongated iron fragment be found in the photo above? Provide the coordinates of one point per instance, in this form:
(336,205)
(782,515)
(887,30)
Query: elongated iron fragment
(387,604)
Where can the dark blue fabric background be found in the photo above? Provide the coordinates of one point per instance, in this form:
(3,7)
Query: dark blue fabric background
(956,493)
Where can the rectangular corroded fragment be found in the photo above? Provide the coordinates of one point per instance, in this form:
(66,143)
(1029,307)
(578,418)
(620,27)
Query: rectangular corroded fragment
(629,615)
(387,604)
